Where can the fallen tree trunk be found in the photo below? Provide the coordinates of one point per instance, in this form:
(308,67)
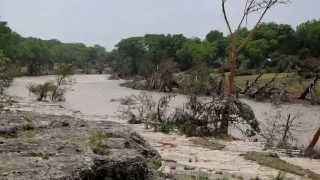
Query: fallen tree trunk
(310,149)
(266,85)
(309,88)
(252,84)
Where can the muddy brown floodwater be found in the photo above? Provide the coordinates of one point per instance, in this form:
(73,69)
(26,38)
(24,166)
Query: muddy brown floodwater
(90,97)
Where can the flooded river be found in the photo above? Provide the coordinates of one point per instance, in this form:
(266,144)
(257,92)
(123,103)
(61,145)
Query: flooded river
(92,95)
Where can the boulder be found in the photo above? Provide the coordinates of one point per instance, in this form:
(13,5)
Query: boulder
(35,146)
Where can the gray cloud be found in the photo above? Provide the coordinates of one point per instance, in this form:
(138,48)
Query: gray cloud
(105,22)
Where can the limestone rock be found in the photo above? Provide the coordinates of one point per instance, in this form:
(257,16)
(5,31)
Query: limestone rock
(34,146)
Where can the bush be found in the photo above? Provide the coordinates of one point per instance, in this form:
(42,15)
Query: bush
(6,72)
(54,90)
(196,118)
(143,109)
(42,91)
(278,130)
(97,141)
(213,117)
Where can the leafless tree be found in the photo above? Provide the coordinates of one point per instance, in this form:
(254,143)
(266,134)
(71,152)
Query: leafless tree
(260,7)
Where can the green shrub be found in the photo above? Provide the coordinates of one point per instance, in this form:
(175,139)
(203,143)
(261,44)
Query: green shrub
(97,141)
(6,72)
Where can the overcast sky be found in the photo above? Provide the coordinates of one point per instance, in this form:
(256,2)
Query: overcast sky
(106,22)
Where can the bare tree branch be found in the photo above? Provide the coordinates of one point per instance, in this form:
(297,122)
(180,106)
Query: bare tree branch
(251,6)
(265,5)
(226,17)
(246,9)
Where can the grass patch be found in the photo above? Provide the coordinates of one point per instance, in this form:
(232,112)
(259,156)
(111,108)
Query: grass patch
(273,161)
(97,141)
(208,143)
(155,164)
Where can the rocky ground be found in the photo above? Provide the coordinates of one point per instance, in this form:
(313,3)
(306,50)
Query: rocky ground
(38,146)
(67,144)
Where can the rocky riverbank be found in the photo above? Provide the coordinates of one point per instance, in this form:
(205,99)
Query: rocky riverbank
(38,146)
(92,99)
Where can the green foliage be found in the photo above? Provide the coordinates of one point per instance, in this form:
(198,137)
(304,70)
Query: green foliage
(41,56)
(97,141)
(195,51)
(198,81)
(6,73)
(220,41)
(161,77)
(275,47)
(137,55)
(129,56)
(285,47)
(155,164)
(195,118)
(63,71)
(202,118)
(54,89)
(308,35)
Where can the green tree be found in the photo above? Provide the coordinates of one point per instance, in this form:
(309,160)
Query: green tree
(96,57)
(195,51)
(129,56)
(308,34)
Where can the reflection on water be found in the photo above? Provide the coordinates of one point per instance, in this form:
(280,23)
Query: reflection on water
(92,95)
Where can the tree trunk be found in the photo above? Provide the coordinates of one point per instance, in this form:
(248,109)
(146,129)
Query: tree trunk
(309,88)
(252,84)
(310,148)
(286,130)
(265,86)
(224,126)
(233,69)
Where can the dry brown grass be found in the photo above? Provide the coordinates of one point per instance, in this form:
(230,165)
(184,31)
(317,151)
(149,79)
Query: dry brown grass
(271,160)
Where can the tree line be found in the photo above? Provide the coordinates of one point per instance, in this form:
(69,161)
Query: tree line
(273,48)
(33,56)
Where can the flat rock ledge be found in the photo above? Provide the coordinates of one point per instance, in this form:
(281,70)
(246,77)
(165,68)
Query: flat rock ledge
(35,146)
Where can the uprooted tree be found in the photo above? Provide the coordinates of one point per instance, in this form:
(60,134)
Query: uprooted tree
(196,117)
(268,90)
(310,150)
(208,117)
(311,69)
